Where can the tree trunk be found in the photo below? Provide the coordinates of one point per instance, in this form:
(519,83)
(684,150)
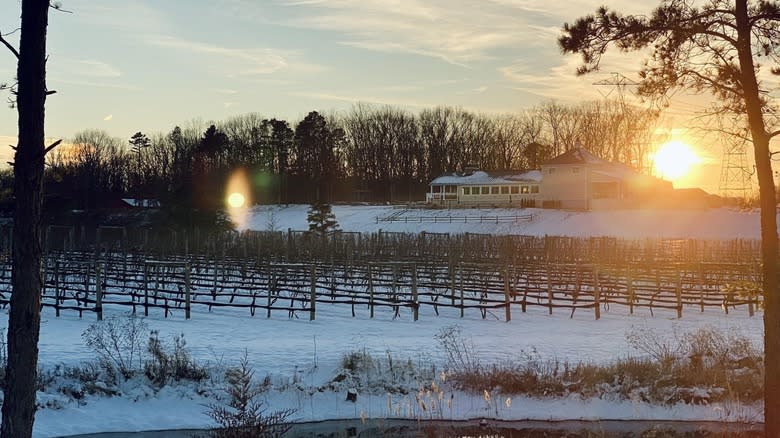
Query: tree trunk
(24,316)
(766,187)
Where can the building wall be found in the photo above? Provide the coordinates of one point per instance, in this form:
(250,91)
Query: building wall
(565,186)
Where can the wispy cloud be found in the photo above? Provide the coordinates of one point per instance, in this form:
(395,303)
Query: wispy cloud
(560,82)
(94,68)
(224,90)
(458,32)
(56,79)
(241,61)
(365,99)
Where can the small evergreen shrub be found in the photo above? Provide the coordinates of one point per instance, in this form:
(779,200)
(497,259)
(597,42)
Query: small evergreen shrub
(245,416)
(321,218)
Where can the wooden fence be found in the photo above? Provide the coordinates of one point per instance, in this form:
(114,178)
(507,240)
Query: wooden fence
(82,282)
(302,246)
(460,219)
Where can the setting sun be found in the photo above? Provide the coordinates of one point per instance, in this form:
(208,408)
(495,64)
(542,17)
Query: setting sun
(674,160)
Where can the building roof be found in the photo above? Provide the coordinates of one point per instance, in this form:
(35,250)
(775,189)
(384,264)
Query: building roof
(578,155)
(483,177)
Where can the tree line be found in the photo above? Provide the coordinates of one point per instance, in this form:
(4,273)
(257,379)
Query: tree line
(369,153)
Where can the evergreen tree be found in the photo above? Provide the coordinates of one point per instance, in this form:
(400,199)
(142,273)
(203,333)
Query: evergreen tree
(321,218)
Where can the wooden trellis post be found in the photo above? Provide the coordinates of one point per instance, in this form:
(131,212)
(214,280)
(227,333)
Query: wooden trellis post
(313,305)
(370,290)
(146,289)
(506,294)
(549,292)
(597,294)
(630,289)
(98,293)
(415,301)
(57,297)
(678,293)
(187,299)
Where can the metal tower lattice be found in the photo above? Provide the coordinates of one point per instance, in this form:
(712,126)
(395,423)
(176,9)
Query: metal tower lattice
(735,176)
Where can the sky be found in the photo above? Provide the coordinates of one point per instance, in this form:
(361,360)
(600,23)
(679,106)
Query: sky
(149,65)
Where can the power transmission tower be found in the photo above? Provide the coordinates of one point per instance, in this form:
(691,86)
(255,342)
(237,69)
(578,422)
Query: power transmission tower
(616,87)
(735,175)
(618,84)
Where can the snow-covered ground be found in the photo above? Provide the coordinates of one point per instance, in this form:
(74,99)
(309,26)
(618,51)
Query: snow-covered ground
(631,224)
(301,355)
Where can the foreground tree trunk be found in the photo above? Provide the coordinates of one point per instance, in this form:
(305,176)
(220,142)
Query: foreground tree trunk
(24,316)
(766,187)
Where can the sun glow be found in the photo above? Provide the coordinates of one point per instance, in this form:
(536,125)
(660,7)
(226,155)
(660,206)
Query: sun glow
(238,197)
(236,200)
(674,159)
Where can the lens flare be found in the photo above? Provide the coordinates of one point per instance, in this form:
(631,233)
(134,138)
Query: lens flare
(238,197)
(236,200)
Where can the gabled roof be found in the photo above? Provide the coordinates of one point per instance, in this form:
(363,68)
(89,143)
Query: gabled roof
(483,177)
(578,155)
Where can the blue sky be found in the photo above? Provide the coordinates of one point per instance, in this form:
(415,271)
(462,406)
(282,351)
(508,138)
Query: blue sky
(149,65)
(128,66)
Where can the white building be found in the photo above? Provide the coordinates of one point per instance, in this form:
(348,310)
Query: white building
(481,188)
(576,179)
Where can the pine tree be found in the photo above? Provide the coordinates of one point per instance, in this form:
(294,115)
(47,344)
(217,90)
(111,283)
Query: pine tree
(321,218)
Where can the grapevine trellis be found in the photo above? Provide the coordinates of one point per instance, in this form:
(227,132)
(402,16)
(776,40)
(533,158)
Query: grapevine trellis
(294,272)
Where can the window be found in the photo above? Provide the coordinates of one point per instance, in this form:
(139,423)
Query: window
(436,189)
(534,189)
(485,190)
(523,189)
(515,190)
(551,170)
(494,190)
(575,170)
(450,189)
(466,190)
(475,190)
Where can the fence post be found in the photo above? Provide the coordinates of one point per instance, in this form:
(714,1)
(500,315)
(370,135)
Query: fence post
(452,278)
(549,292)
(98,293)
(187,299)
(462,309)
(313,305)
(597,294)
(630,287)
(146,289)
(415,301)
(273,286)
(56,287)
(506,294)
(678,292)
(370,290)
(750,297)
(701,287)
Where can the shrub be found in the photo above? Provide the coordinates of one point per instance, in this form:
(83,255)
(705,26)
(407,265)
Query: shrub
(460,354)
(245,416)
(321,218)
(177,364)
(117,343)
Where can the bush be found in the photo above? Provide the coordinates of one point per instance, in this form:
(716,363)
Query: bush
(699,367)
(117,343)
(177,364)
(245,416)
